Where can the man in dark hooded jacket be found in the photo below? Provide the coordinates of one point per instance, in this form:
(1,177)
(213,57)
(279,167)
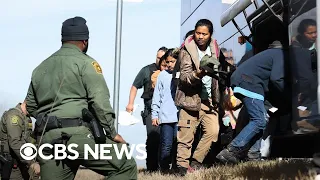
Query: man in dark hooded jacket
(250,83)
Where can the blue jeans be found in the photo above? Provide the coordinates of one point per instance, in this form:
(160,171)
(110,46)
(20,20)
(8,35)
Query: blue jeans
(250,135)
(168,135)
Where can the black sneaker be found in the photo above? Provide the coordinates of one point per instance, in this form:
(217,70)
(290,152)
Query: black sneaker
(153,170)
(227,156)
(254,157)
(165,171)
(180,171)
(196,165)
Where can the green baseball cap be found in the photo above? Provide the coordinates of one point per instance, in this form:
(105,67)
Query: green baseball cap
(209,63)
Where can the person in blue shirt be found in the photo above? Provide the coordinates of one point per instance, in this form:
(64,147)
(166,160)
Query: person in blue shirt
(164,111)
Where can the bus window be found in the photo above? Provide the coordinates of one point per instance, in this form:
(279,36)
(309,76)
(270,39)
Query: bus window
(303,55)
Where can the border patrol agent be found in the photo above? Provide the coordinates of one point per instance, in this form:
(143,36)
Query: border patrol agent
(143,80)
(15,130)
(62,87)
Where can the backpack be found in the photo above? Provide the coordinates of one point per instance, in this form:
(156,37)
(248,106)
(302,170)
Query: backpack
(148,90)
(154,77)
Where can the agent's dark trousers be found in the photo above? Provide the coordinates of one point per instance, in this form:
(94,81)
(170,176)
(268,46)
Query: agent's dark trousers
(152,144)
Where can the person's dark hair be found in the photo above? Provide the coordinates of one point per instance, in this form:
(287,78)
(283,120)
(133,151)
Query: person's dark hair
(161,60)
(171,52)
(188,34)
(205,22)
(223,50)
(163,48)
(304,24)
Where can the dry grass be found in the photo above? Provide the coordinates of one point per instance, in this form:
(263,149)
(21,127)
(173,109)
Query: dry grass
(292,169)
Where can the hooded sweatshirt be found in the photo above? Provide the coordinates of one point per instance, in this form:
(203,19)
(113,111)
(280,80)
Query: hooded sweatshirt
(163,106)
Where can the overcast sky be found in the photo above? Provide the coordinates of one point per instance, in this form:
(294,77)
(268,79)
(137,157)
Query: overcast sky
(31,31)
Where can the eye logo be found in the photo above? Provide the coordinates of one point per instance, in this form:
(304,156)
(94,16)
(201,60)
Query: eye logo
(28,151)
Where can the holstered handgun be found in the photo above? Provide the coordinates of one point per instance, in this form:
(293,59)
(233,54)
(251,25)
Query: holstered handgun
(95,126)
(6,164)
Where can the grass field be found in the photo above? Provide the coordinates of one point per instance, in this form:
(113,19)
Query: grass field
(285,169)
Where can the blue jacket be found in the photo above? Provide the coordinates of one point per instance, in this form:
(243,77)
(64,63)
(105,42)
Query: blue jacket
(163,106)
(252,78)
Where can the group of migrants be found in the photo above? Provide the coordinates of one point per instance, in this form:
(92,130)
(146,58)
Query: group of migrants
(69,98)
(182,94)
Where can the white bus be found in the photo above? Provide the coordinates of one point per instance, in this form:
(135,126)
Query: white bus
(242,29)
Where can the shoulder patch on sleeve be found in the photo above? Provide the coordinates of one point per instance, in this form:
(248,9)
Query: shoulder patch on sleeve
(97,67)
(14,120)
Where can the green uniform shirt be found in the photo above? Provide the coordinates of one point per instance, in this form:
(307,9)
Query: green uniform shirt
(143,79)
(15,130)
(67,82)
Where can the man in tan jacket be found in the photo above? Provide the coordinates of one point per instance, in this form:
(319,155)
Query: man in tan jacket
(197,96)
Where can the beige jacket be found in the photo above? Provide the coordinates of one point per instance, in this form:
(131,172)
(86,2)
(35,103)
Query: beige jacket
(154,78)
(189,86)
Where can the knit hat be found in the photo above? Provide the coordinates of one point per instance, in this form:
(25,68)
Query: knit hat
(74,29)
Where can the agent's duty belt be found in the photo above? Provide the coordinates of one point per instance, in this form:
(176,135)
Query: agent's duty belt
(70,122)
(48,123)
